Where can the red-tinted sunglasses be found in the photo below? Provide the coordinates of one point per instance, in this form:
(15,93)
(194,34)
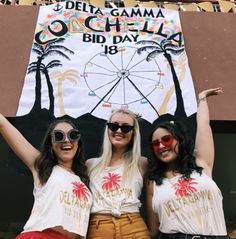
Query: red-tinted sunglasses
(166,140)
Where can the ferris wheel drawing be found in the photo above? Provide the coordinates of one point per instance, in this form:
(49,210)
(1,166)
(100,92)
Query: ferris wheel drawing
(122,78)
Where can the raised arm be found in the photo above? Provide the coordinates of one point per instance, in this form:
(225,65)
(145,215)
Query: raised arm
(152,218)
(22,148)
(204,145)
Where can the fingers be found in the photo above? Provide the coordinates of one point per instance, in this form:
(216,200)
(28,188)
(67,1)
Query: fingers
(215,91)
(209,92)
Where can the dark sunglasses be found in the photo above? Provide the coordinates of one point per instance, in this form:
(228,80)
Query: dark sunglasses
(58,136)
(166,140)
(124,128)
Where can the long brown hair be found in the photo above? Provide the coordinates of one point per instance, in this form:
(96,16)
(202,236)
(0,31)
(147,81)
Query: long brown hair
(48,159)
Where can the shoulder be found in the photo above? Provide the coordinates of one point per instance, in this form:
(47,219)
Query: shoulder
(91,162)
(143,161)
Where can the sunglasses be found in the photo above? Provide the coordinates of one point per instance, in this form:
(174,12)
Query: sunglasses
(166,140)
(59,136)
(124,128)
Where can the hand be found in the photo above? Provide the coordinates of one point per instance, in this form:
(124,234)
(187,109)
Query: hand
(210,92)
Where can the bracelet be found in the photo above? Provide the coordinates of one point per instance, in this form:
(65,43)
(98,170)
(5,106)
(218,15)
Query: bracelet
(201,99)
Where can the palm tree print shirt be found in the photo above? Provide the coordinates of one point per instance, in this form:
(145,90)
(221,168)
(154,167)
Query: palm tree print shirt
(112,195)
(191,206)
(63,201)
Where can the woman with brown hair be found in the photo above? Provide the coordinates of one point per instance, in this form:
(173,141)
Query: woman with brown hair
(62,199)
(183,200)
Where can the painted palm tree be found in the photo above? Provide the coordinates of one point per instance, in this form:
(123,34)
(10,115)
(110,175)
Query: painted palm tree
(44,69)
(72,76)
(36,67)
(166,47)
(43,51)
(180,64)
(50,65)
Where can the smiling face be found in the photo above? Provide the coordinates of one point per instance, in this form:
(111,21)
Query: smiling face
(165,146)
(66,150)
(118,138)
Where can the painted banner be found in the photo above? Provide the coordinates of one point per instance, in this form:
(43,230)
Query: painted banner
(86,59)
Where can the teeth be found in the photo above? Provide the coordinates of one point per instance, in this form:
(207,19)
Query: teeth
(66,148)
(164,152)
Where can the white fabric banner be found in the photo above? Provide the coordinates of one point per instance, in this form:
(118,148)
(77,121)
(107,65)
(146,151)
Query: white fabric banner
(86,59)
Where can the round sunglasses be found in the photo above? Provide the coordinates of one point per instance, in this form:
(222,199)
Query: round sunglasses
(58,136)
(166,140)
(124,128)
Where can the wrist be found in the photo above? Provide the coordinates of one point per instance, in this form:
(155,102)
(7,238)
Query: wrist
(200,99)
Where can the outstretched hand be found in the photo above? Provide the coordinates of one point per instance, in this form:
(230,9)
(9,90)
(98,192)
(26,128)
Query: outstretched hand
(210,92)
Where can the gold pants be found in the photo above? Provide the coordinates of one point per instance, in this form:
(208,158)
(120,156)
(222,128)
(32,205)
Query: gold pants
(128,226)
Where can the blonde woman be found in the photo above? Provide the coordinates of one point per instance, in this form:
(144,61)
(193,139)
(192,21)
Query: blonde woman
(116,181)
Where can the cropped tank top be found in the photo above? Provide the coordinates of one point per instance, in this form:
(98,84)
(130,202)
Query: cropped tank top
(63,201)
(192,206)
(114,196)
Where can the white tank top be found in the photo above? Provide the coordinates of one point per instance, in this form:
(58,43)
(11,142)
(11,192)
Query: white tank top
(191,207)
(113,196)
(63,201)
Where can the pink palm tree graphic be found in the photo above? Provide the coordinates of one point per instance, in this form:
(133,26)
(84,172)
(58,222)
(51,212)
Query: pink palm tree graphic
(111,181)
(184,187)
(80,191)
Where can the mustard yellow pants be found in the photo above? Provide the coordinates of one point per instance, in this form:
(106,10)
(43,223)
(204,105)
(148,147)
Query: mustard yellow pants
(128,226)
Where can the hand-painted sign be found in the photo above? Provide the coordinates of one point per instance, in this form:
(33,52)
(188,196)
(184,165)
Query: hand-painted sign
(86,59)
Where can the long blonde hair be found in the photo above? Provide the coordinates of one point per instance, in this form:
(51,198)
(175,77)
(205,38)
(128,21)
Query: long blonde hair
(132,154)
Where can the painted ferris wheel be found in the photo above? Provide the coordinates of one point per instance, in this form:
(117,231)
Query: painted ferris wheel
(122,77)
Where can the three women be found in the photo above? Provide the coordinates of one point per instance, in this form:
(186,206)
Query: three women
(183,200)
